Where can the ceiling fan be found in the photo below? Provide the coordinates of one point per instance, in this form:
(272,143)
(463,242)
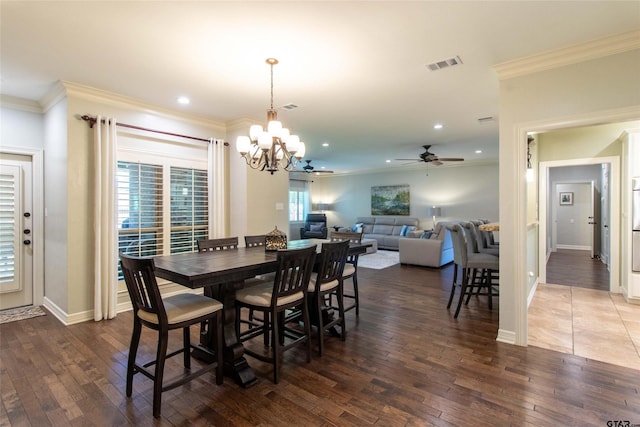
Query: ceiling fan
(429,157)
(310,169)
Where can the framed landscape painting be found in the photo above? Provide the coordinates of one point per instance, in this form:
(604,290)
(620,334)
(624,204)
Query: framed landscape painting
(390,200)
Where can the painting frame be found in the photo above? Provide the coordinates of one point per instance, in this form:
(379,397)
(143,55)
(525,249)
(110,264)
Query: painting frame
(566,198)
(390,200)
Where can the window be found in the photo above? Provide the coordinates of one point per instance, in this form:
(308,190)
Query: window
(189,208)
(298,201)
(161,208)
(140,228)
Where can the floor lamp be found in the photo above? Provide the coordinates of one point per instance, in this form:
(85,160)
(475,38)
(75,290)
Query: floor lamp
(433,212)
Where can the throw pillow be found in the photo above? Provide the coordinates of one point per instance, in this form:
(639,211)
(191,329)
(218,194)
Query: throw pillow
(426,235)
(316,226)
(405,229)
(357,228)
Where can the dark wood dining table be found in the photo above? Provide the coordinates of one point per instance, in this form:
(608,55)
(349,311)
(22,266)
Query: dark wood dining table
(221,274)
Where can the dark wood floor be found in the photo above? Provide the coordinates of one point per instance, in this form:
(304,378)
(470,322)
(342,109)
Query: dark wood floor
(406,362)
(577,268)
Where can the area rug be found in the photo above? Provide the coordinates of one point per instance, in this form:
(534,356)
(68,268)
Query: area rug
(20,313)
(379,260)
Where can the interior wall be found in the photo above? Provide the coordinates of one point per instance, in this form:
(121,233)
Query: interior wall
(68,187)
(464,191)
(586,93)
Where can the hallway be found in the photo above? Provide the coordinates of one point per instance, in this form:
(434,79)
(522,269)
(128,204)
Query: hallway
(579,316)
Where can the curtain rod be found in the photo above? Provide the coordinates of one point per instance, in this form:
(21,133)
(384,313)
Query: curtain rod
(92,121)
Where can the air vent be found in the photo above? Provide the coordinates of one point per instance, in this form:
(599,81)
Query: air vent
(445,63)
(488,119)
(289,106)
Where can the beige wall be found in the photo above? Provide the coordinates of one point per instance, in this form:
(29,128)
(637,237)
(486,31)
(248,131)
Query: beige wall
(589,92)
(68,188)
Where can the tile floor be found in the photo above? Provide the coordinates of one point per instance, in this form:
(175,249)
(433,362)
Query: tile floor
(585,322)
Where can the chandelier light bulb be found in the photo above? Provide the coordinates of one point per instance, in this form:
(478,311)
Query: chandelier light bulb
(301,150)
(242,144)
(265,140)
(254,132)
(274,128)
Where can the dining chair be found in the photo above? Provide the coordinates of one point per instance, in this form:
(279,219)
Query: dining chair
(163,315)
(253,241)
(479,271)
(477,237)
(329,281)
(351,267)
(287,291)
(221,244)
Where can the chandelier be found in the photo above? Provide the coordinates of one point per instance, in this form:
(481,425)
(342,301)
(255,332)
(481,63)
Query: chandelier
(270,149)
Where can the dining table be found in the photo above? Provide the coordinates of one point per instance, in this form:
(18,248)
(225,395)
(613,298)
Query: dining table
(221,274)
(491,226)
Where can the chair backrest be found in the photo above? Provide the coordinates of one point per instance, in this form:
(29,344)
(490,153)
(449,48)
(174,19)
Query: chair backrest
(349,236)
(293,274)
(315,219)
(253,241)
(334,256)
(139,275)
(222,244)
(459,244)
(470,235)
(480,235)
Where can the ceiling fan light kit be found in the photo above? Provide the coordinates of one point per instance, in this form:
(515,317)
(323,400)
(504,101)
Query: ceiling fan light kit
(273,148)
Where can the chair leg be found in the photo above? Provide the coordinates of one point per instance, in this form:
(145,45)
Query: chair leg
(216,323)
(133,350)
(355,292)
(453,284)
(186,345)
(463,290)
(275,340)
(343,325)
(163,339)
(321,324)
(307,328)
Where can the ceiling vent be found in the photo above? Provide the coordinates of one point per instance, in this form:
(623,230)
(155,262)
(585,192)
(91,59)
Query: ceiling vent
(445,63)
(289,106)
(488,119)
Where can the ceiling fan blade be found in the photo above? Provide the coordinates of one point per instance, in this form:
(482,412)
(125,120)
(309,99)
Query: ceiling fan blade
(450,159)
(414,160)
(436,162)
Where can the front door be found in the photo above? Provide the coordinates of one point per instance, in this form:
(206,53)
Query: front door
(16,254)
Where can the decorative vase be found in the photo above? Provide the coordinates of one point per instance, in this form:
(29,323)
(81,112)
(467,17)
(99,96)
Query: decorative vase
(275,240)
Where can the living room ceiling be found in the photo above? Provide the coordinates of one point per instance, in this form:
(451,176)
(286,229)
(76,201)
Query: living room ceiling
(358,71)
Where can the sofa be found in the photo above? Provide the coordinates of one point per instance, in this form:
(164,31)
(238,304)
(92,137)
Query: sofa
(386,231)
(434,249)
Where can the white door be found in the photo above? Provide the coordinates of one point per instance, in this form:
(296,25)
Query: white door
(16,254)
(593,221)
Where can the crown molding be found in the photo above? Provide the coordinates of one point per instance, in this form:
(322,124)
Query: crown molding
(569,55)
(20,104)
(125,102)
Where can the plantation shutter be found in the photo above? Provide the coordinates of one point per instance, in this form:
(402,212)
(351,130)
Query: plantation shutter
(189,208)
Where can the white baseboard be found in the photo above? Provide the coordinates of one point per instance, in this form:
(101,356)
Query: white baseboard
(507,337)
(574,247)
(85,316)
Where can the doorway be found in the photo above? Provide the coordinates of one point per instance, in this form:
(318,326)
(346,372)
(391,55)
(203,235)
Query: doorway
(21,219)
(605,207)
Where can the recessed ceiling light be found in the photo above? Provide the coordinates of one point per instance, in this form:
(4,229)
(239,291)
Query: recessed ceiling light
(437,126)
(478,151)
(183,100)
(388,161)
(325,144)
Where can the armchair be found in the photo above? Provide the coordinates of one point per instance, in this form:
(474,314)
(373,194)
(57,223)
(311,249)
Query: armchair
(315,227)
